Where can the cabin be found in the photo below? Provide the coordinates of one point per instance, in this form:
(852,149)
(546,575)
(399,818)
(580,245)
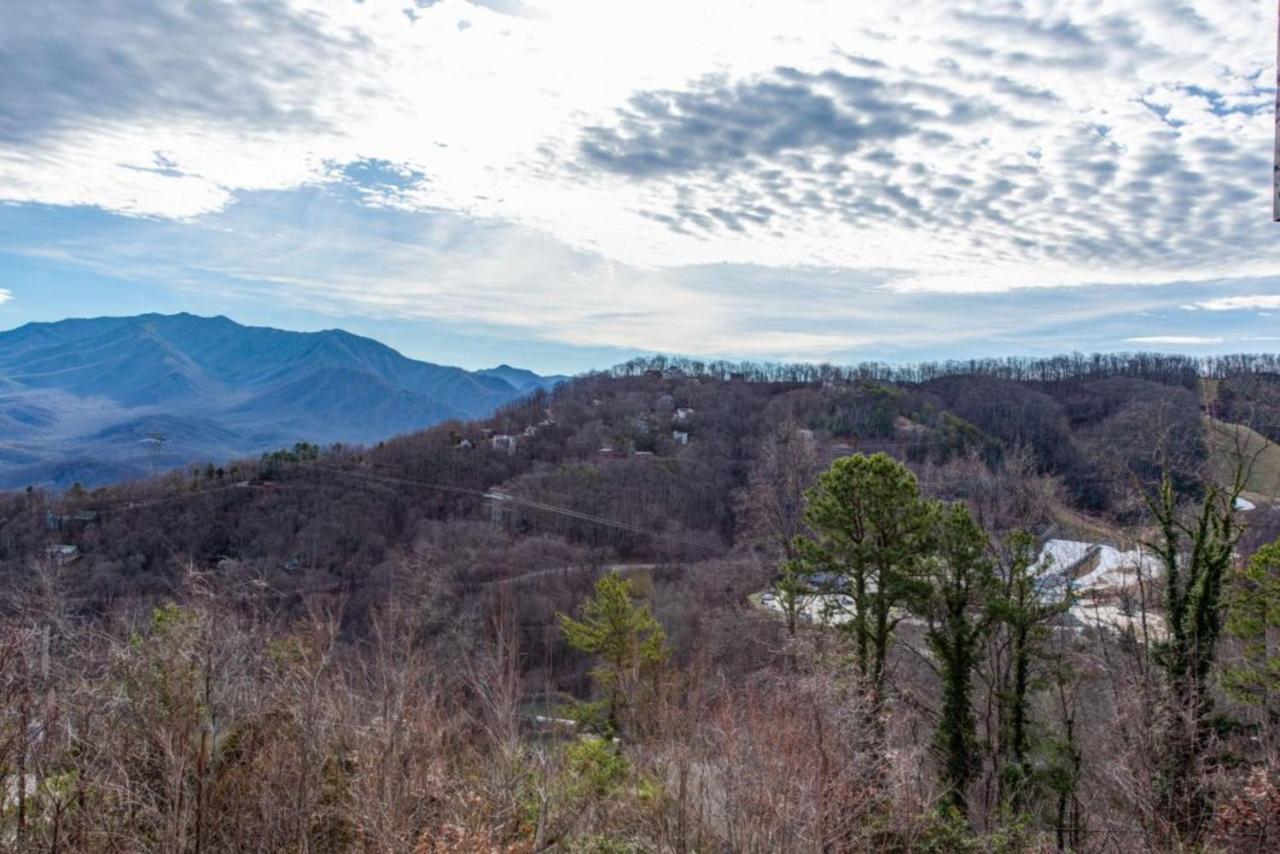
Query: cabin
(58,522)
(504,443)
(62,554)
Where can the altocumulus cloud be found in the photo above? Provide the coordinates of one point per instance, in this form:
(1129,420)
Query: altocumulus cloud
(662,162)
(1037,150)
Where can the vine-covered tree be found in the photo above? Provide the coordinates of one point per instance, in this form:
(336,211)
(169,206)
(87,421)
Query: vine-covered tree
(1023,606)
(1195,556)
(953,596)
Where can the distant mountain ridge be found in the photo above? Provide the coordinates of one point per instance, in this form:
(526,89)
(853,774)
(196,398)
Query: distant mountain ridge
(81,399)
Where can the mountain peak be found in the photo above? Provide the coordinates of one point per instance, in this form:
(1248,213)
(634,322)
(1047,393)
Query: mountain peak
(240,390)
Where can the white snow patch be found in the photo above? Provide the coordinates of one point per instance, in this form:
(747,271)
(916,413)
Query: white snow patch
(1105,580)
(1061,555)
(1093,566)
(1245,504)
(827,609)
(1107,615)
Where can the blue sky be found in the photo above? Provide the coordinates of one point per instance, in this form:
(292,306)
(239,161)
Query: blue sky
(564,184)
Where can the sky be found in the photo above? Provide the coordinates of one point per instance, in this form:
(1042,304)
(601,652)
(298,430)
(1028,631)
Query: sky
(563,184)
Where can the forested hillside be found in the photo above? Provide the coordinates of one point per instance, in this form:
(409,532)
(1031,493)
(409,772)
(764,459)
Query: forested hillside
(384,632)
(99,400)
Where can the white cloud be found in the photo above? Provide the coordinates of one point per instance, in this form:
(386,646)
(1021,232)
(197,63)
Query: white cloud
(1187,340)
(5,296)
(590,154)
(1241,303)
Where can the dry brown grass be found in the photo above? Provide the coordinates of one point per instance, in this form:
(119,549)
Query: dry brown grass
(1229,443)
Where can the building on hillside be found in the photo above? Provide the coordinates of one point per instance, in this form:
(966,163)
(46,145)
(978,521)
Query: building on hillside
(466,444)
(680,437)
(504,443)
(60,521)
(683,414)
(62,554)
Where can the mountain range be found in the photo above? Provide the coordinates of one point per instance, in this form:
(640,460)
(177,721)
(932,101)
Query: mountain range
(104,399)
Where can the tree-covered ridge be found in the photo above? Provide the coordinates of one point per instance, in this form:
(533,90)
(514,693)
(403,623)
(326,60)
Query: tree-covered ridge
(547,630)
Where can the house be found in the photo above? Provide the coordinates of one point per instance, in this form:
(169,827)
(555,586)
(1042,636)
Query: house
(62,554)
(530,430)
(504,443)
(681,437)
(805,436)
(56,522)
(683,414)
(466,444)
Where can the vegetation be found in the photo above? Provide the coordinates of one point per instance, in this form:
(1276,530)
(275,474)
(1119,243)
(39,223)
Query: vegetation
(1196,557)
(872,529)
(1254,619)
(957,587)
(629,641)
(370,649)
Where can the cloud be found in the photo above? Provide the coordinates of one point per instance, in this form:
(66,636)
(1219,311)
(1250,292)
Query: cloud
(5,296)
(75,65)
(721,127)
(1188,340)
(641,173)
(1241,303)
(322,251)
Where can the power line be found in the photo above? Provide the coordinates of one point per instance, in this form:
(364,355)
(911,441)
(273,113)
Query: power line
(507,498)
